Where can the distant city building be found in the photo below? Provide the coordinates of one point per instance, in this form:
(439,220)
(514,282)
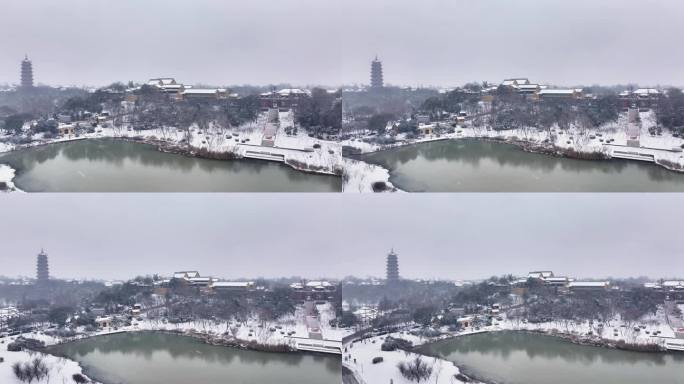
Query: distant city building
(392,267)
(185,275)
(283,99)
(202,93)
(567,94)
(516,83)
(26,73)
(533,91)
(376,74)
(42,269)
(166,85)
(313,290)
(540,275)
(589,285)
(233,286)
(642,98)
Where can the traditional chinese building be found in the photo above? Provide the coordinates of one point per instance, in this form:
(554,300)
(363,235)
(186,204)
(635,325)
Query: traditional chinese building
(376,78)
(392,267)
(42,269)
(26,73)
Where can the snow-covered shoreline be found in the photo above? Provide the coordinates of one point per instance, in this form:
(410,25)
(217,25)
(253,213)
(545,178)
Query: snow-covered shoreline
(359,176)
(614,334)
(571,143)
(7,175)
(61,370)
(359,353)
(298,151)
(278,336)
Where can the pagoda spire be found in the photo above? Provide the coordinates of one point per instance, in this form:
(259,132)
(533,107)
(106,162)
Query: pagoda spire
(376,77)
(26,73)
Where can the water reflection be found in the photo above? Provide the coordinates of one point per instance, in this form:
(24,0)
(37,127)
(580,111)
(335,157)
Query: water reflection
(475,165)
(114,165)
(489,355)
(130,357)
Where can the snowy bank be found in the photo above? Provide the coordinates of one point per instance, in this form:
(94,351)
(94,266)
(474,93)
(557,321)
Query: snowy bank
(61,370)
(7,174)
(359,177)
(259,139)
(359,355)
(610,140)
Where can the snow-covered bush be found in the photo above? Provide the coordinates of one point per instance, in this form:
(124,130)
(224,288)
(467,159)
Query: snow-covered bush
(30,371)
(391,344)
(78,378)
(416,370)
(379,186)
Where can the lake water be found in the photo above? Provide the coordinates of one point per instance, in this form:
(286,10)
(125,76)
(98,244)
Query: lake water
(522,358)
(109,165)
(471,165)
(152,358)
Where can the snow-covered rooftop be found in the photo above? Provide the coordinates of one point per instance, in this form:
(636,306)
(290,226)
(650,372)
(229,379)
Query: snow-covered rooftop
(515,82)
(185,274)
(203,91)
(163,81)
(589,284)
(200,278)
(287,92)
(232,284)
(559,91)
(540,274)
(315,284)
(556,278)
(646,91)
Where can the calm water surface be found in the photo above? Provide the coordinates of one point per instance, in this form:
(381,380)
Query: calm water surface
(152,358)
(521,358)
(479,166)
(108,165)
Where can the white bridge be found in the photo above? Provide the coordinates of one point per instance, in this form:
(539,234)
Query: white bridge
(674,344)
(633,155)
(322,346)
(264,155)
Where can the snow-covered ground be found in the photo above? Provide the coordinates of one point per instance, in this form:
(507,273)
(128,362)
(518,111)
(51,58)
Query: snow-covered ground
(358,357)
(61,370)
(6,176)
(281,331)
(613,330)
(299,150)
(284,331)
(310,154)
(664,147)
(5,147)
(359,176)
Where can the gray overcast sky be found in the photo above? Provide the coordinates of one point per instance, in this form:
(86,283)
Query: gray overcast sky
(455,236)
(96,42)
(330,42)
(450,42)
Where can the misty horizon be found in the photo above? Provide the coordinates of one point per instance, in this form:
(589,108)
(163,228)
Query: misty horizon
(450,237)
(306,42)
(206,41)
(445,43)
